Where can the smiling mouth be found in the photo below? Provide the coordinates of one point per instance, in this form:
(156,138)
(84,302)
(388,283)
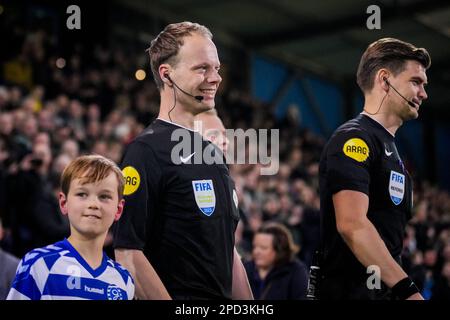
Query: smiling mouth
(91,216)
(416,102)
(208,91)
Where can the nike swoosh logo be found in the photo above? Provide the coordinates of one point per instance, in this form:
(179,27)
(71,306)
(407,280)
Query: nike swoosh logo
(388,153)
(184,160)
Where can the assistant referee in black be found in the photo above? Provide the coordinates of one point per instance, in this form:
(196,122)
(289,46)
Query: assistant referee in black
(177,232)
(366,192)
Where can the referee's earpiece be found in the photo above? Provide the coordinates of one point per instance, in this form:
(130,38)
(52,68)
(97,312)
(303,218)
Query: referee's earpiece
(166,79)
(387,83)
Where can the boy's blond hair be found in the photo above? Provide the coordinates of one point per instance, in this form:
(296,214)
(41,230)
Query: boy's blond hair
(91,168)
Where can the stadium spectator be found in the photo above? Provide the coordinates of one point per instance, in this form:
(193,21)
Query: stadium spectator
(275,273)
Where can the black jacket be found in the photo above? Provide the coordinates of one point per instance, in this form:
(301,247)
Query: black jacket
(286,282)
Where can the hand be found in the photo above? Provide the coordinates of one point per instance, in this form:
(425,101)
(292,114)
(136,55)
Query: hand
(416,296)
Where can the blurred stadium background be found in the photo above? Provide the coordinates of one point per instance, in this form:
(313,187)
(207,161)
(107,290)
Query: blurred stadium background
(286,64)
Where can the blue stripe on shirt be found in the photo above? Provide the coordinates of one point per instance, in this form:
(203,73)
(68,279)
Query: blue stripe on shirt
(25,284)
(92,289)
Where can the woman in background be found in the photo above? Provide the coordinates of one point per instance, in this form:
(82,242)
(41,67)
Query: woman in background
(275,273)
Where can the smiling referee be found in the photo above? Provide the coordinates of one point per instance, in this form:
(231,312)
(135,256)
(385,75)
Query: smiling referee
(176,235)
(366,192)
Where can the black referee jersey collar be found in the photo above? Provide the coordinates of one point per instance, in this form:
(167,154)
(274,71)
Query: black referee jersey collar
(169,123)
(376,124)
(176,124)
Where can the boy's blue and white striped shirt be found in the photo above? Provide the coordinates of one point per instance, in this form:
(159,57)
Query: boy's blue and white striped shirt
(58,272)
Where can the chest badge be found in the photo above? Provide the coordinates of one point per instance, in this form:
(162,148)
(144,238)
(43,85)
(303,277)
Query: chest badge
(396,187)
(204,196)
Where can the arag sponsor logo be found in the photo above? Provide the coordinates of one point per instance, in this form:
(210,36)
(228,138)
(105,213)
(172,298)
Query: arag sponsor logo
(132,180)
(356,149)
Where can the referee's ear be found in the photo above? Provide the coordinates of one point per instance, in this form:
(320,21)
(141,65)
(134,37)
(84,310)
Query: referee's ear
(382,77)
(164,71)
(120,206)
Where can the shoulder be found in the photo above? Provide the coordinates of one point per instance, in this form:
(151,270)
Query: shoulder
(8,259)
(354,128)
(141,142)
(153,144)
(43,253)
(142,152)
(354,140)
(298,270)
(299,265)
(40,258)
(154,133)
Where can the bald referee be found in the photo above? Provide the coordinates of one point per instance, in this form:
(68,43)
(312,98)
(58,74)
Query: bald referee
(366,191)
(177,236)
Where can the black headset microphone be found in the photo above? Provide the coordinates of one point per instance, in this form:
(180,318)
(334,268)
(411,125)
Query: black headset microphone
(412,104)
(198,98)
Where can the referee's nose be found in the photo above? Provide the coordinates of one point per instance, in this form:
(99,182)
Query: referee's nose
(422,93)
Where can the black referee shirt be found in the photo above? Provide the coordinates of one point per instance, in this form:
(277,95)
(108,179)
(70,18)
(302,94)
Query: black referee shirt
(362,156)
(183,216)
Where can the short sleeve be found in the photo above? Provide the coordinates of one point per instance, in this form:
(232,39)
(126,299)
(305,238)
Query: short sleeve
(142,180)
(349,156)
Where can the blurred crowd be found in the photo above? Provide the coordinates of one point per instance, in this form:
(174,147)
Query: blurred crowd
(54,108)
